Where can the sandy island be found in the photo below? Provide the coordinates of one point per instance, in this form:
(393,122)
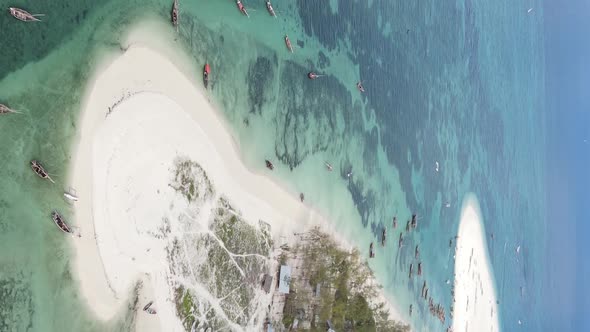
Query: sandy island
(140,113)
(475,307)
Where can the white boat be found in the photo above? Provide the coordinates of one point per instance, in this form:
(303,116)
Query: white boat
(71,197)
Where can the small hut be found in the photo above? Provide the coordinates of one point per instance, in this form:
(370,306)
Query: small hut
(266,283)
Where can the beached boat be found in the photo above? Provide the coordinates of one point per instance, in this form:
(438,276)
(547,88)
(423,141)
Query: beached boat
(271,10)
(71,196)
(301,197)
(269,165)
(7,110)
(175,14)
(148,308)
(371,251)
(242,8)
(288,43)
(206,72)
(59,222)
(40,171)
(359,86)
(23,15)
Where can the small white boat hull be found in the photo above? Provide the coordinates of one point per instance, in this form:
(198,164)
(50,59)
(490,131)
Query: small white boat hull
(71,197)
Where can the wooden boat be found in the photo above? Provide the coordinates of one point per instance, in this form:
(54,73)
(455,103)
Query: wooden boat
(59,222)
(242,8)
(271,10)
(371,251)
(408,226)
(206,72)
(329,167)
(23,15)
(269,165)
(414,221)
(416,252)
(420,268)
(359,86)
(400,243)
(148,308)
(175,14)
(7,110)
(40,171)
(423,289)
(383,236)
(312,76)
(288,43)
(411,270)
(394,222)
(301,197)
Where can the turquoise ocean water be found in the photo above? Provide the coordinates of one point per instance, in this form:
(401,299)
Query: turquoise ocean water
(459,83)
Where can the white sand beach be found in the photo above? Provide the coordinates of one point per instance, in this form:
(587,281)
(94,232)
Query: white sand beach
(475,307)
(141,113)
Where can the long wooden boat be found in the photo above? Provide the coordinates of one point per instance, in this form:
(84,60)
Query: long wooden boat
(40,171)
(288,43)
(175,14)
(206,72)
(23,15)
(7,110)
(242,8)
(60,222)
(271,10)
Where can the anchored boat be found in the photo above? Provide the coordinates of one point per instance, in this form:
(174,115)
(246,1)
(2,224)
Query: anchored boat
(288,43)
(271,10)
(40,171)
(23,15)
(269,165)
(59,222)
(242,8)
(175,14)
(206,72)
(7,110)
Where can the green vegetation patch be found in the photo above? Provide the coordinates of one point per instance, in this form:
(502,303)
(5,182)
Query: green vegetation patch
(184,307)
(190,180)
(344,296)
